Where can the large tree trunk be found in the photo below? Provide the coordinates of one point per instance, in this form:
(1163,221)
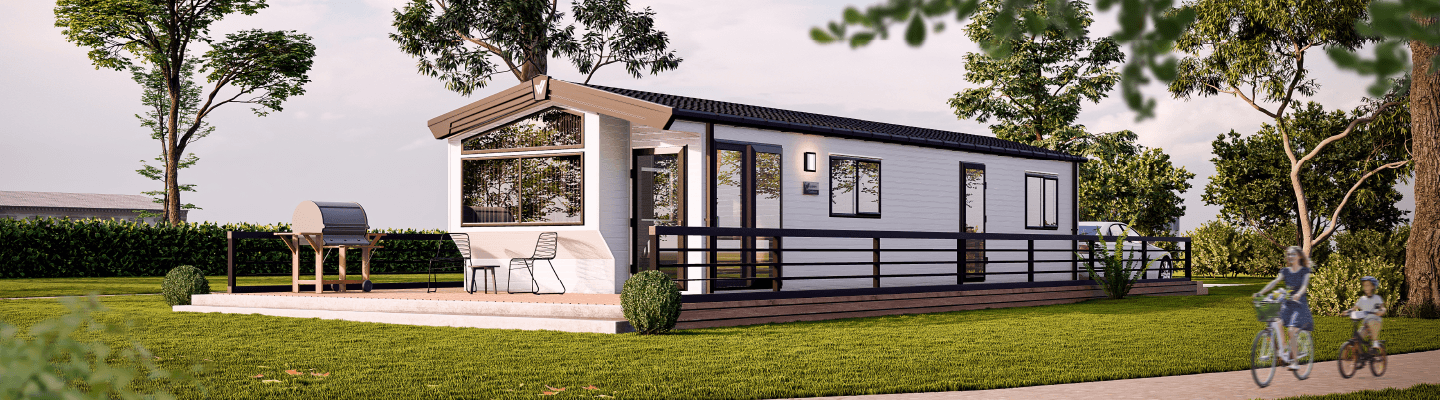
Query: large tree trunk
(1423,250)
(172,189)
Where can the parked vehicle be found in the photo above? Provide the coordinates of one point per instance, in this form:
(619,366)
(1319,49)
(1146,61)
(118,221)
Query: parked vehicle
(1160,260)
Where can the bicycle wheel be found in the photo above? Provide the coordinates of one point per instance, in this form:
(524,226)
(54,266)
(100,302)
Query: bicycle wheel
(1263,357)
(1306,359)
(1378,364)
(1349,360)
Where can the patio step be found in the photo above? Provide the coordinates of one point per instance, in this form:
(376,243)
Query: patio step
(594,318)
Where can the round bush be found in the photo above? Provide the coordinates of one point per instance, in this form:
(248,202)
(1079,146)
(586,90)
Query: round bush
(1336,284)
(651,302)
(182,282)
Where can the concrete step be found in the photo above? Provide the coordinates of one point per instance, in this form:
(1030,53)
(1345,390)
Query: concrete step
(586,325)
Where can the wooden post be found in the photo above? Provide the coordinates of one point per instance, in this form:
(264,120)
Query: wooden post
(340,287)
(1145,258)
(1074,260)
(962,261)
(875,281)
(317,244)
(1031,257)
(229,261)
(1187,261)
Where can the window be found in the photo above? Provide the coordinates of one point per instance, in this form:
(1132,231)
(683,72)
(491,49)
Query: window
(553,128)
(1042,202)
(854,187)
(538,190)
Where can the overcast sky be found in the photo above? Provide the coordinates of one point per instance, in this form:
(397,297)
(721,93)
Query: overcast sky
(359,133)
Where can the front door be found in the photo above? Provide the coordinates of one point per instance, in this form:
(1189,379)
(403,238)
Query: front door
(746,187)
(659,201)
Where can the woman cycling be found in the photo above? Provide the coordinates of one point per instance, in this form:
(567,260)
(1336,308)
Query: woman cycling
(1294,311)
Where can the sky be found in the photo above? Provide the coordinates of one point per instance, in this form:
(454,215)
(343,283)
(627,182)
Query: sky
(359,134)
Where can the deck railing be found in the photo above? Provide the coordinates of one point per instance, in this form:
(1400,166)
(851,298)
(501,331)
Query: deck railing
(263,254)
(971,264)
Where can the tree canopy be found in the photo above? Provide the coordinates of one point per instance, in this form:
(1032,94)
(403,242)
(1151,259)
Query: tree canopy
(161,37)
(466,42)
(1127,182)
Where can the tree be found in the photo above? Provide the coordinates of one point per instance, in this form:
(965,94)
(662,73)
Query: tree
(157,105)
(1252,184)
(456,40)
(1124,181)
(1422,258)
(1034,94)
(1257,54)
(256,67)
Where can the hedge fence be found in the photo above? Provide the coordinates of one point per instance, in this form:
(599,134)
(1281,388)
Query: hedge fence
(59,248)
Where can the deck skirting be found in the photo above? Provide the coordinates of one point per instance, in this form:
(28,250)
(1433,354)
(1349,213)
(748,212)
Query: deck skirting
(749,312)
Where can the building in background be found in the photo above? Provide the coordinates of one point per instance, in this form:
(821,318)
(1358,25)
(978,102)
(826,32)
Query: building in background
(18,205)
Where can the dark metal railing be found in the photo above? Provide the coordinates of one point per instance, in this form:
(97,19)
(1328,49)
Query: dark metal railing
(962,250)
(242,250)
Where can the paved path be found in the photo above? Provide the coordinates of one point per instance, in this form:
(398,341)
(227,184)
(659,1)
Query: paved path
(1405,370)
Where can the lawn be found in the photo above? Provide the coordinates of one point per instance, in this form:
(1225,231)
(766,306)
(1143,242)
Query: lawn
(149,285)
(1424,391)
(1090,341)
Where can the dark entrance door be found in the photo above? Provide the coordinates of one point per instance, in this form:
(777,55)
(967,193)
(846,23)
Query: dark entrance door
(972,219)
(745,182)
(659,201)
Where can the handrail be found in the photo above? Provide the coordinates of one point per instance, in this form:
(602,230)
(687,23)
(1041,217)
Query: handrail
(858,234)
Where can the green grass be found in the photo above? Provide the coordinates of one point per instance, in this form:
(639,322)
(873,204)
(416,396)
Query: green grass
(151,285)
(1244,280)
(1424,391)
(1091,341)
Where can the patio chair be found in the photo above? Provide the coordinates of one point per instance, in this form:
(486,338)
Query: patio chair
(544,251)
(463,264)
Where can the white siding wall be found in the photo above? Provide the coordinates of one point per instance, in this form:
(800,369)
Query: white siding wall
(919,192)
(612,171)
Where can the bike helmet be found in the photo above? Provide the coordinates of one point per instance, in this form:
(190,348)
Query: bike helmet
(1372,280)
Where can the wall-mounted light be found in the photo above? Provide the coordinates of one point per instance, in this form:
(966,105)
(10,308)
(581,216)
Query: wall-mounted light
(809,162)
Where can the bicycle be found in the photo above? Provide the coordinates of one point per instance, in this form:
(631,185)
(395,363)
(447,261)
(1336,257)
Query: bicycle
(1357,355)
(1265,350)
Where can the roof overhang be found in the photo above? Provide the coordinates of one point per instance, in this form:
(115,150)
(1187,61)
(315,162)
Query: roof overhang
(525,97)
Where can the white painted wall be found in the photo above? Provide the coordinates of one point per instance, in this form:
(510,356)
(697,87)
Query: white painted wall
(919,192)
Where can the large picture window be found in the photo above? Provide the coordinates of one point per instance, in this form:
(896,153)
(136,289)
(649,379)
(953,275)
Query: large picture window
(1042,202)
(854,187)
(538,190)
(553,128)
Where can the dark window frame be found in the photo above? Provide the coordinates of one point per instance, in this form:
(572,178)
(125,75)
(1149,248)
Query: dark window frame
(579,145)
(580,215)
(965,223)
(1056,206)
(879,195)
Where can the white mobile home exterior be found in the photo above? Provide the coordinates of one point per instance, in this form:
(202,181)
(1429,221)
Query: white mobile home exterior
(700,156)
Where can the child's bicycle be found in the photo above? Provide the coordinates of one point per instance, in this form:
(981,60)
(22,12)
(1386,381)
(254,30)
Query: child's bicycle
(1354,354)
(1269,343)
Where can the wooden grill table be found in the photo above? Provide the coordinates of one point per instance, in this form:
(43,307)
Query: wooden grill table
(316,241)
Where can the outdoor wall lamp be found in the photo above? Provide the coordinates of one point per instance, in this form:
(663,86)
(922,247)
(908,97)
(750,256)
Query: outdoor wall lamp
(809,162)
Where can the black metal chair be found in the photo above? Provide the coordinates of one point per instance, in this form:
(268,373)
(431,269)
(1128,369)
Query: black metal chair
(463,264)
(544,251)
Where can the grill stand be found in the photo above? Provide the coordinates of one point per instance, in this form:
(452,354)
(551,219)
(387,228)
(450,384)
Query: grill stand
(316,242)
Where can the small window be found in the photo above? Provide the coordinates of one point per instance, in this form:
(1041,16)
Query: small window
(553,128)
(854,187)
(1042,202)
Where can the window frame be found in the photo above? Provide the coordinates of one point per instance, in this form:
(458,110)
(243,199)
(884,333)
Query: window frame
(1043,177)
(576,146)
(580,215)
(879,195)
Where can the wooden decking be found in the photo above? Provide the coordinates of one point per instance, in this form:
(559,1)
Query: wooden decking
(698,313)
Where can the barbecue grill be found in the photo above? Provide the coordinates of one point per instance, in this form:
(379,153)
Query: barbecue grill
(324,225)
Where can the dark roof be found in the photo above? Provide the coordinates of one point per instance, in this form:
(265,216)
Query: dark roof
(797,121)
(78,200)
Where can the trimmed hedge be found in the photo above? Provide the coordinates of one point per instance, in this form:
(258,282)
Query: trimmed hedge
(59,248)
(181,283)
(651,302)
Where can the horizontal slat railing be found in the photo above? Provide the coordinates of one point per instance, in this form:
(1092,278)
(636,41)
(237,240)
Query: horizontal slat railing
(240,257)
(1022,246)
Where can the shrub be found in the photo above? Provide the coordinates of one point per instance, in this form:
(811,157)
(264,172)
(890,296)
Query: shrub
(651,302)
(1422,310)
(1389,246)
(1113,278)
(1336,284)
(181,283)
(49,362)
(1219,249)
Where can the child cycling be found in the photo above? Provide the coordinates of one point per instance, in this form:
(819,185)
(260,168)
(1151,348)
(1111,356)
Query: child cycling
(1295,311)
(1374,307)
